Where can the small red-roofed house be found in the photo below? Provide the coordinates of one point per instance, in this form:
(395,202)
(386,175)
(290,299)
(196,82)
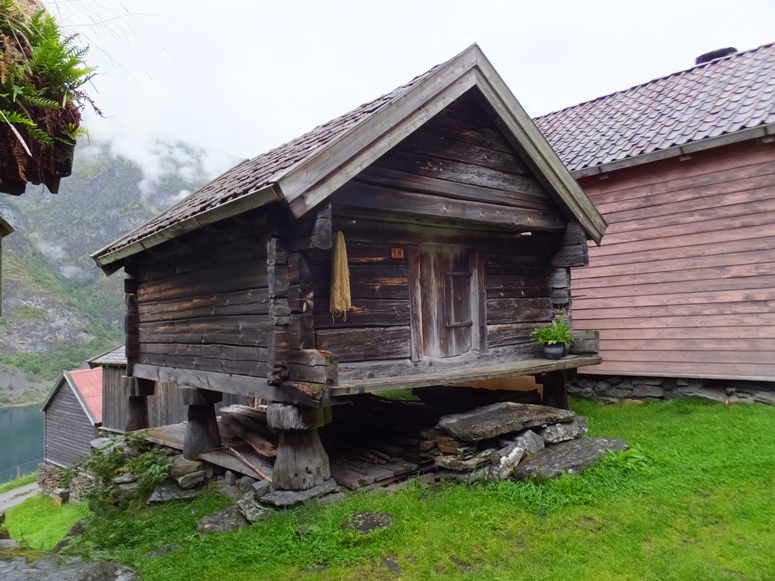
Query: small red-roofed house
(73,414)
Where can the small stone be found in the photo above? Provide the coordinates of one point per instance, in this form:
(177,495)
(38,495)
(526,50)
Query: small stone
(288,498)
(4,534)
(126,491)
(192,480)
(99,443)
(225,521)
(614,380)
(391,566)
(367,522)
(251,510)
(645,390)
(509,456)
(453,462)
(681,383)
(260,488)
(127,478)
(160,552)
(557,433)
(528,439)
(8,544)
(230,477)
(168,492)
(181,467)
(570,457)
(245,483)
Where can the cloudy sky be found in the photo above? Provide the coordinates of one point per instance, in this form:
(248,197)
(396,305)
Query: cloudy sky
(239,76)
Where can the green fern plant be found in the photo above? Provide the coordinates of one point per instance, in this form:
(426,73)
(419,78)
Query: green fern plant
(557,332)
(42,73)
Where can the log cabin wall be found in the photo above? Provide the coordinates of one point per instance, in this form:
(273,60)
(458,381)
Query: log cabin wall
(684,282)
(68,430)
(203,304)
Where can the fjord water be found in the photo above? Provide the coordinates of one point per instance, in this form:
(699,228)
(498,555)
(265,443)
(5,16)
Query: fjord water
(21,440)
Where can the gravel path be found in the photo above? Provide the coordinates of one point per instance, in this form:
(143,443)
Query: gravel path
(17,495)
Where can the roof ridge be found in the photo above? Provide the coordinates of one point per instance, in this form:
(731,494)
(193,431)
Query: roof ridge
(673,74)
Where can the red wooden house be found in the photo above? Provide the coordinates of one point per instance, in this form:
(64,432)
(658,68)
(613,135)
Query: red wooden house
(683,170)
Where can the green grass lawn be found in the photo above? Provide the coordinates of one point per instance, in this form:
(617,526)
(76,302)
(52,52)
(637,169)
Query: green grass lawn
(37,523)
(694,499)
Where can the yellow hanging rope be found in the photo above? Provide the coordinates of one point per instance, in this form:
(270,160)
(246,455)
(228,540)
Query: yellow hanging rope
(340,278)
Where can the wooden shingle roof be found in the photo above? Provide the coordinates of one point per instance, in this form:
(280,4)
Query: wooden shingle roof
(306,170)
(721,97)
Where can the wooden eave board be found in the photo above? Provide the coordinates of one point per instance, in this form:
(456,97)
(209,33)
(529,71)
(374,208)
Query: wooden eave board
(499,371)
(316,177)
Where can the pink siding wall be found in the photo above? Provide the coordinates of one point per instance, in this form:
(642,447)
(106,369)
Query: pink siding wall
(684,282)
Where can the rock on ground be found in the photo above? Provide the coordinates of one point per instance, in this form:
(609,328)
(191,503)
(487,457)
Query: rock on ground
(181,467)
(367,522)
(225,521)
(570,457)
(501,418)
(288,498)
(48,567)
(557,433)
(167,492)
(251,510)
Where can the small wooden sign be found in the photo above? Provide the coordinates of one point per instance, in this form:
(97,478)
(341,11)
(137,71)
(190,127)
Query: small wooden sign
(396,252)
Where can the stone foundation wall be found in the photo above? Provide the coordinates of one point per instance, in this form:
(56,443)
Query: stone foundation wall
(625,387)
(49,477)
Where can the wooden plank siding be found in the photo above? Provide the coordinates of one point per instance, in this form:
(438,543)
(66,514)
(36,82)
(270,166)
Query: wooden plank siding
(203,304)
(68,429)
(684,282)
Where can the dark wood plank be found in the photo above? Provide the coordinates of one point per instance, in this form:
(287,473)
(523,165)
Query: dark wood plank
(415,305)
(245,331)
(365,313)
(509,334)
(429,166)
(250,302)
(430,185)
(519,310)
(368,282)
(505,286)
(361,195)
(365,344)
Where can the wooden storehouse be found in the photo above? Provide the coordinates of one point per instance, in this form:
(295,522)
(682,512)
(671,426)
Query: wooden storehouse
(683,170)
(73,413)
(460,225)
(165,406)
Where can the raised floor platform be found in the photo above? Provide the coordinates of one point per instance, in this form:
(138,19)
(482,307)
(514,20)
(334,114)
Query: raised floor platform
(462,375)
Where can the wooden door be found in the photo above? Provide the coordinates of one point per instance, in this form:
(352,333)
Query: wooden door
(446,300)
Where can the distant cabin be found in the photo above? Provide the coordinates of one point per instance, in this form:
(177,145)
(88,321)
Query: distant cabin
(440,210)
(73,413)
(683,170)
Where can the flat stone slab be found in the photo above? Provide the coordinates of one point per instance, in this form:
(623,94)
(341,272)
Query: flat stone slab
(570,457)
(501,418)
(557,433)
(228,520)
(366,522)
(288,498)
(49,567)
(168,492)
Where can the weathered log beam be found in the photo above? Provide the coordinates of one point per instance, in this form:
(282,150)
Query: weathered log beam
(202,434)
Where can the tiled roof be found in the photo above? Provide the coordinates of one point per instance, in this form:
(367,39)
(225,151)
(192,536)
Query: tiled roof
(716,98)
(89,383)
(253,174)
(114,357)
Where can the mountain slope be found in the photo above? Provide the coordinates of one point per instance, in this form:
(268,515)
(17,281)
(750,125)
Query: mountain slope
(58,307)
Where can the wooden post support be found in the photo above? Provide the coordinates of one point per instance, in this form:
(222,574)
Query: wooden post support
(301,461)
(555,394)
(137,391)
(202,434)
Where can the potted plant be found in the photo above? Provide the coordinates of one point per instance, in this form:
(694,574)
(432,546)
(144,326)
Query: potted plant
(555,338)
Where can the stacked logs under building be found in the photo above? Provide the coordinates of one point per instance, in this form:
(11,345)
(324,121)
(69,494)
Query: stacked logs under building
(376,442)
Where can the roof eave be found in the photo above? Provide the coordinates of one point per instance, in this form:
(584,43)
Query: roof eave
(111,261)
(540,155)
(315,178)
(678,150)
